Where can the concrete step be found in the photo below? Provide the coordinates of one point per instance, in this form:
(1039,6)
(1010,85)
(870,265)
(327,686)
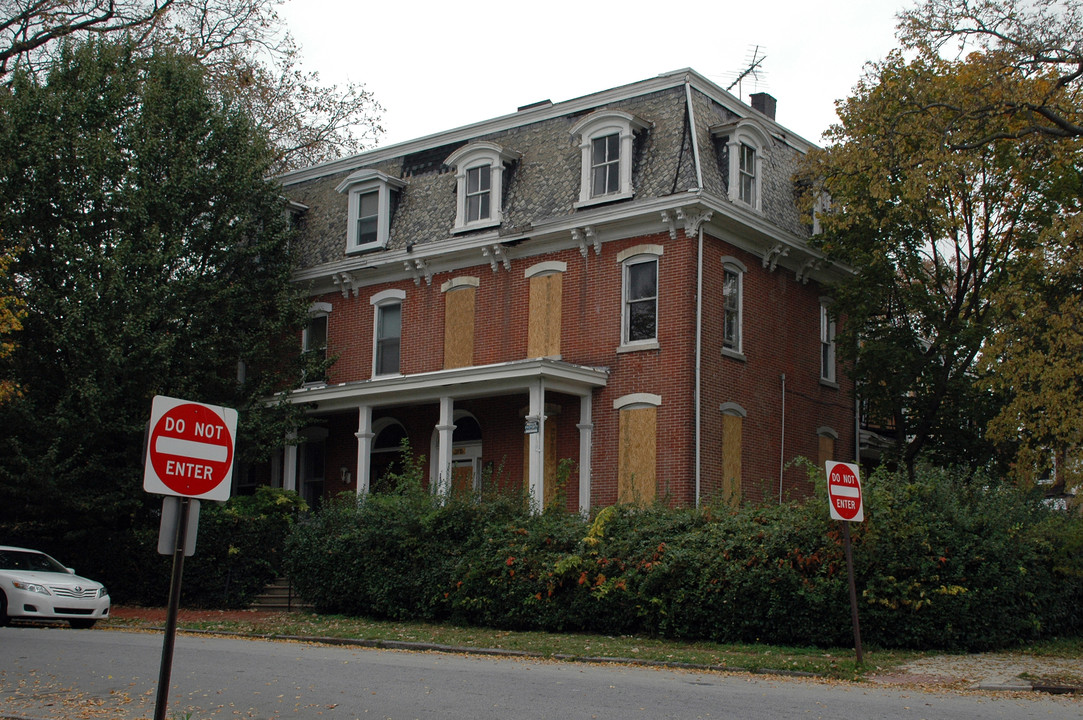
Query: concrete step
(279,595)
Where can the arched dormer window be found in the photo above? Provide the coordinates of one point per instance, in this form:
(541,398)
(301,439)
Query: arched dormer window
(606,139)
(372,197)
(745,146)
(479,182)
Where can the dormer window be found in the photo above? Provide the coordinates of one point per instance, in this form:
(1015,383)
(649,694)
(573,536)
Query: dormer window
(479,179)
(743,146)
(606,140)
(373,197)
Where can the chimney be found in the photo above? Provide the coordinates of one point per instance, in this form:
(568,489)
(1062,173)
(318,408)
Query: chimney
(764,103)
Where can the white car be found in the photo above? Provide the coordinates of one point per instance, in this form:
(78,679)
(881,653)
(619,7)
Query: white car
(33,586)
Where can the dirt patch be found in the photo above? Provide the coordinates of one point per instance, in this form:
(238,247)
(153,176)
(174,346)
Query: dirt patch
(183,615)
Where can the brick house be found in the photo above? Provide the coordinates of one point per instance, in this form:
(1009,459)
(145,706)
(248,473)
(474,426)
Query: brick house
(621,281)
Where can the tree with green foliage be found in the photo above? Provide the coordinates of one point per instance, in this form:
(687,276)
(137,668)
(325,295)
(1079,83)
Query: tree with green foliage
(11,313)
(1016,39)
(933,210)
(155,259)
(243,46)
(1036,358)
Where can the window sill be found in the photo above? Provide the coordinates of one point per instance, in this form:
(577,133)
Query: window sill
(636,347)
(367,247)
(387,376)
(481,225)
(601,199)
(730,353)
(829,383)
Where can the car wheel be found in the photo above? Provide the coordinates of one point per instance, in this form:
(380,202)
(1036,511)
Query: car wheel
(82,624)
(4,619)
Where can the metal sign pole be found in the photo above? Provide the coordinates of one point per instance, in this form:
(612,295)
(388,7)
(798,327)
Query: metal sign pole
(853,590)
(174,604)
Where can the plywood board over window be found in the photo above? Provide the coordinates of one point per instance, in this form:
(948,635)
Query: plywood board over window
(828,436)
(637,480)
(459,325)
(543,334)
(733,416)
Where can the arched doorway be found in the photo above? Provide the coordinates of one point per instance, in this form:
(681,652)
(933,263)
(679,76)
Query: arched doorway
(465,454)
(385,458)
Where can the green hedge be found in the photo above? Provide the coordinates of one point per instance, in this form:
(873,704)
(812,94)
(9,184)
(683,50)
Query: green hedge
(238,552)
(947,560)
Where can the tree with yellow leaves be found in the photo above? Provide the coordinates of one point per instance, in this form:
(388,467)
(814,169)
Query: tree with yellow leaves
(11,313)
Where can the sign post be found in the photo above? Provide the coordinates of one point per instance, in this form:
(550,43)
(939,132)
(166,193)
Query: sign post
(844,499)
(189,456)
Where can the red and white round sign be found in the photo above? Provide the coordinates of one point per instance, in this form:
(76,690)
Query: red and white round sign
(844,491)
(190,452)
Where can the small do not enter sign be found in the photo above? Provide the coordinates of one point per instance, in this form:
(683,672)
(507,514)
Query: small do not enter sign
(190,450)
(844,492)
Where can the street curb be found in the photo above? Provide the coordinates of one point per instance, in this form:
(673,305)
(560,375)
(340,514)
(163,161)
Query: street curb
(1021,686)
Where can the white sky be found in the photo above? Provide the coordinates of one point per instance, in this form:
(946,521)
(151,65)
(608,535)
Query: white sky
(435,65)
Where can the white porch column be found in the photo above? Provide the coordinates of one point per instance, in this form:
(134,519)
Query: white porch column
(445,431)
(586,437)
(536,468)
(364,436)
(289,462)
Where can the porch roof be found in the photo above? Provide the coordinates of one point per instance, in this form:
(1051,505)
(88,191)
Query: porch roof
(457,383)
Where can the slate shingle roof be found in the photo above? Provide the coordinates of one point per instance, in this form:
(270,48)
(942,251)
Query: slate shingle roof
(544,183)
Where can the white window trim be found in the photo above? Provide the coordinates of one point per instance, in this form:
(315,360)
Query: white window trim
(378,301)
(828,375)
(745,131)
(468,157)
(600,124)
(317,310)
(635,401)
(626,258)
(732,264)
(361,183)
(548,267)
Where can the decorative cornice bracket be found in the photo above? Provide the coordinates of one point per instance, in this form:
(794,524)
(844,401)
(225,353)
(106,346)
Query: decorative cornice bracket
(497,253)
(345,283)
(587,238)
(671,221)
(772,256)
(806,270)
(418,269)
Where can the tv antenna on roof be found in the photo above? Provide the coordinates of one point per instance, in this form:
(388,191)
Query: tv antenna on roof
(753,70)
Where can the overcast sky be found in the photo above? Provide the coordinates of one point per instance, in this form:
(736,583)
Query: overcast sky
(438,65)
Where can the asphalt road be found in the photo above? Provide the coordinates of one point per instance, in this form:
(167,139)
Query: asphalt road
(55,672)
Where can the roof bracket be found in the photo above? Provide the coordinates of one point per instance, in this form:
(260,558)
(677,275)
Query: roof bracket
(496,253)
(346,282)
(586,238)
(806,269)
(772,256)
(418,268)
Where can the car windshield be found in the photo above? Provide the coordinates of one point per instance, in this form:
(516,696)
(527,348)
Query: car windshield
(29,562)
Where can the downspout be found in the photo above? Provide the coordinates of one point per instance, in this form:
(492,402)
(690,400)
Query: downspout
(697,399)
(782,441)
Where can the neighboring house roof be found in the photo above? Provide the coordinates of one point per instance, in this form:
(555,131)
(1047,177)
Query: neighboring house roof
(680,174)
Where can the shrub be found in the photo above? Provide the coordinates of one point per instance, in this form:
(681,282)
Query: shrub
(947,560)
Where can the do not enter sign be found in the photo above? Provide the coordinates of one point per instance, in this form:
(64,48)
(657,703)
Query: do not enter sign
(190,451)
(844,492)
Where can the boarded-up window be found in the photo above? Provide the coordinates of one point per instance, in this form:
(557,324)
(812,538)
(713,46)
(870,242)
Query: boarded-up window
(459,327)
(731,458)
(827,448)
(543,334)
(636,475)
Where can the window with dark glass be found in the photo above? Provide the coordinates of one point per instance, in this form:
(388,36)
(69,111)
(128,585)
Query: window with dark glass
(731,309)
(605,165)
(641,301)
(388,338)
(368,218)
(314,347)
(747,172)
(478,186)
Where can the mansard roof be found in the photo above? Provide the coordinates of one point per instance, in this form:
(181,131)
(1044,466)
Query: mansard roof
(679,157)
